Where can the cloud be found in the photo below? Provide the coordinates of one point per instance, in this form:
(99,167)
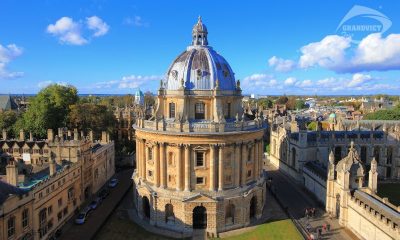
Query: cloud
(98,25)
(358,80)
(129,82)
(290,81)
(7,54)
(67,31)
(136,21)
(73,32)
(333,52)
(281,65)
(44,84)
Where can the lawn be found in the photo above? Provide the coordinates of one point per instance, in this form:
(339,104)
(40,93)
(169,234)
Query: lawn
(282,229)
(391,191)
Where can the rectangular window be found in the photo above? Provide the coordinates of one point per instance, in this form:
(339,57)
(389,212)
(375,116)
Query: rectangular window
(199,159)
(171,110)
(228,178)
(199,111)
(150,153)
(60,202)
(200,180)
(25,217)
(59,215)
(50,210)
(65,211)
(11,227)
(249,173)
(150,173)
(228,110)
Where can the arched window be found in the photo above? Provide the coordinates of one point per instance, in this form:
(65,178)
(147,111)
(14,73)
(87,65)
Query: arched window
(171,110)
(169,214)
(199,111)
(338,154)
(389,155)
(363,154)
(376,153)
(230,214)
(293,163)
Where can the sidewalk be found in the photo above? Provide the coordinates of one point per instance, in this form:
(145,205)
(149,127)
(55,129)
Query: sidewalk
(98,216)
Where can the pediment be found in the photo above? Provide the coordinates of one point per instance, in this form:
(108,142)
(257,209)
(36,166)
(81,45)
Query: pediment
(199,197)
(200,148)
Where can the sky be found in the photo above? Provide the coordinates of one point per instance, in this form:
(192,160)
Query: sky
(274,47)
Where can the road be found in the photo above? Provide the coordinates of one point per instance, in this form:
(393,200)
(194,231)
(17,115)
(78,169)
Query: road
(98,216)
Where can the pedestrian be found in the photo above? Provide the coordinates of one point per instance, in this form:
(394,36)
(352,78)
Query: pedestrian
(308,227)
(324,227)
(328,227)
(306,213)
(312,212)
(312,236)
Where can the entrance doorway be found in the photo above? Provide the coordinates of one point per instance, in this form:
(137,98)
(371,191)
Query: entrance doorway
(199,217)
(253,207)
(146,207)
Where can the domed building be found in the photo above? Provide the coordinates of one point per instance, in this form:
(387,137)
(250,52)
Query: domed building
(199,159)
(139,97)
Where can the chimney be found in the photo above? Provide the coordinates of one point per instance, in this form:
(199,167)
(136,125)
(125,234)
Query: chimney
(30,136)
(4,134)
(12,173)
(104,137)
(76,136)
(59,158)
(69,134)
(91,135)
(52,167)
(21,135)
(60,133)
(82,135)
(50,135)
(373,176)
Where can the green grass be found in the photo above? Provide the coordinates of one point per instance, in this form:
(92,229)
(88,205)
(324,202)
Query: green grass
(282,229)
(391,191)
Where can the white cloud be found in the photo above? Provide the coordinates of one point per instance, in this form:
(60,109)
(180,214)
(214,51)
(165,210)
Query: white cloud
(7,54)
(290,81)
(136,21)
(98,25)
(67,31)
(327,53)
(44,84)
(129,82)
(281,65)
(304,84)
(358,80)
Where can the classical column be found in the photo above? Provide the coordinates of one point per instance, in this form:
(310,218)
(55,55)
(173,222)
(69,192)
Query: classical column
(187,167)
(244,164)
(237,164)
(137,156)
(256,160)
(212,167)
(261,152)
(163,168)
(179,169)
(253,158)
(220,168)
(144,152)
(156,165)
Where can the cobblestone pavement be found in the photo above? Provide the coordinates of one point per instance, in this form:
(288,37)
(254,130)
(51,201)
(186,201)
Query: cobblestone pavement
(98,216)
(297,200)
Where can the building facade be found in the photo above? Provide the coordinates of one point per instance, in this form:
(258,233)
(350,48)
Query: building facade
(199,160)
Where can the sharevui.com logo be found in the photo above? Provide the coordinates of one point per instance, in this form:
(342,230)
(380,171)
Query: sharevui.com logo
(361,21)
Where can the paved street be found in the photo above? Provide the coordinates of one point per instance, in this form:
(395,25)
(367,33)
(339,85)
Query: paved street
(98,216)
(297,200)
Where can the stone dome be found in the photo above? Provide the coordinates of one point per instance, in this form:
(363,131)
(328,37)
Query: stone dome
(199,67)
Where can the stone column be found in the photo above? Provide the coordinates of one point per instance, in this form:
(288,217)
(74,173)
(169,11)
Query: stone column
(244,164)
(261,152)
(137,156)
(179,169)
(187,167)
(144,155)
(163,170)
(212,167)
(220,168)
(156,165)
(256,160)
(237,165)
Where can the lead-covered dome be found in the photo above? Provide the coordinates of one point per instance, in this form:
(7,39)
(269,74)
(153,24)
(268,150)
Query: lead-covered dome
(199,67)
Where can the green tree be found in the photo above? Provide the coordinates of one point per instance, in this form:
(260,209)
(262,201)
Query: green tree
(7,120)
(282,100)
(149,99)
(300,104)
(90,116)
(49,109)
(312,126)
(265,102)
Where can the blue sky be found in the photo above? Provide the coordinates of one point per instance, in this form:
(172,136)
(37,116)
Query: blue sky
(290,47)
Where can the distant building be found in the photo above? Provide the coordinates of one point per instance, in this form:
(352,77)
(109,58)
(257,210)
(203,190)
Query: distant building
(7,103)
(139,97)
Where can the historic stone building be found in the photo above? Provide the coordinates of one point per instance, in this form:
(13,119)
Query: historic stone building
(45,181)
(199,160)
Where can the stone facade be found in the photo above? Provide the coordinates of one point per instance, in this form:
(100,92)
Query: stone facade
(199,165)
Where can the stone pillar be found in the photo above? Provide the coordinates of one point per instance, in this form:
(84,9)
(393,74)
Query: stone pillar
(12,173)
(4,134)
(212,167)
(179,169)
(220,168)
(52,167)
(187,168)
(143,157)
(163,170)
(237,165)
(156,165)
(256,160)
(244,164)
(261,152)
(137,155)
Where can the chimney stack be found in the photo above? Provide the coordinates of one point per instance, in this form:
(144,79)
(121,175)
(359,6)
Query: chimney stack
(52,167)
(104,137)
(21,135)
(60,133)
(4,134)
(30,136)
(12,173)
(91,135)
(50,135)
(69,134)
(76,135)
(373,176)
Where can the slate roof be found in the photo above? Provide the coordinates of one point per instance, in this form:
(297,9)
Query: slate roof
(6,190)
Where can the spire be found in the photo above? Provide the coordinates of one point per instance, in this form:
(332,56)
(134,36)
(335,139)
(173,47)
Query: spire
(331,157)
(199,34)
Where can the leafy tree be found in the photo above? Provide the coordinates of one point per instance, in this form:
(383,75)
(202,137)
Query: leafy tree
(312,126)
(392,114)
(90,116)
(7,120)
(300,104)
(265,102)
(149,99)
(49,109)
(282,100)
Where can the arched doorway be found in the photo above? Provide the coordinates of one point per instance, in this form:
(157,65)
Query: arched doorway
(230,214)
(253,207)
(146,207)
(169,214)
(337,206)
(199,217)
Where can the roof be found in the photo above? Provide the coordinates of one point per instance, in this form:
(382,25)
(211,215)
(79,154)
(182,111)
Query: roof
(7,103)
(351,163)
(6,190)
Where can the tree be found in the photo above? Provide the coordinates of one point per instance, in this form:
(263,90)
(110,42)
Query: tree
(392,114)
(149,99)
(7,120)
(312,126)
(282,100)
(265,103)
(90,116)
(291,103)
(300,104)
(49,109)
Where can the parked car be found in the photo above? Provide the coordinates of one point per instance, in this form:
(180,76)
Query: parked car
(104,193)
(113,183)
(81,218)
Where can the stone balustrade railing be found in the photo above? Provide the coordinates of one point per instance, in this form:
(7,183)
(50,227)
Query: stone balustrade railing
(201,126)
